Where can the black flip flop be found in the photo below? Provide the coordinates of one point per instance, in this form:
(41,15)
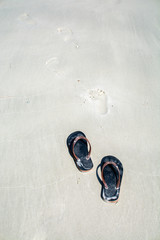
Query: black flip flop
(78,148)
(111,174)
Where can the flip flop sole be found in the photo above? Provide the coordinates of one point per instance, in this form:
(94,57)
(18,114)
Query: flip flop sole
(110,174)
(81,150)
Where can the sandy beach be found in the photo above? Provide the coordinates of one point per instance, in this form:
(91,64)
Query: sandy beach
(92,66)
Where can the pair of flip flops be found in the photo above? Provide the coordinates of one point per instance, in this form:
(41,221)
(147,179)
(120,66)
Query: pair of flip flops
(111,168)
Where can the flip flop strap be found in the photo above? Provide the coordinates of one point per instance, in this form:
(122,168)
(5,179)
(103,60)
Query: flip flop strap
(74,143)
(114,164)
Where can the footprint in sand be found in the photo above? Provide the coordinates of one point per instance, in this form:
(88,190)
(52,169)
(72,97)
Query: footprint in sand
(53,66)
(52,63)
(99,98)
(66,33)
(67,36)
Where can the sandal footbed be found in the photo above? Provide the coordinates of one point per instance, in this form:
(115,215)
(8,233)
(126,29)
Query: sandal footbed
(110,174)
(81,151)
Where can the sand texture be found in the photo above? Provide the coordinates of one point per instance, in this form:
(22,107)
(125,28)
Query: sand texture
(93,66)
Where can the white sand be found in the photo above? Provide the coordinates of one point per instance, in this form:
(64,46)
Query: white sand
(86,65)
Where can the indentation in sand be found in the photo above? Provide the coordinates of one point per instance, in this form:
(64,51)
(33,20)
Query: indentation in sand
(66,33)
(99,99)
(68,36)
(52,61)
(52,64)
